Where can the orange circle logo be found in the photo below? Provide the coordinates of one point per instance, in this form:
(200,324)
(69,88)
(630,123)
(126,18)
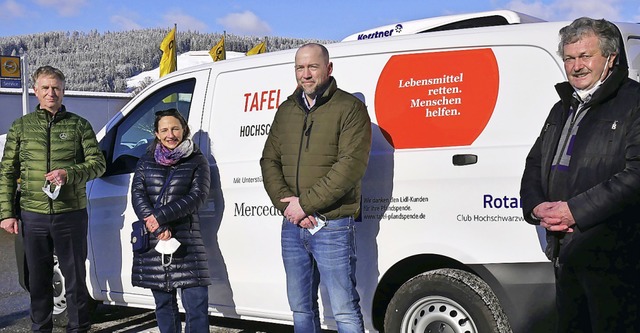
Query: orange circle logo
(438,99)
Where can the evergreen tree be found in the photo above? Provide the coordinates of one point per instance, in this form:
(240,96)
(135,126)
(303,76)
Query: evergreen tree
(103,62)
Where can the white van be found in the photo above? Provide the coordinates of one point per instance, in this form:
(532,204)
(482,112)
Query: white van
(441,242)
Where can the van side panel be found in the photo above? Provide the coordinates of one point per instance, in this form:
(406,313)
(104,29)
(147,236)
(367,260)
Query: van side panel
(249,230)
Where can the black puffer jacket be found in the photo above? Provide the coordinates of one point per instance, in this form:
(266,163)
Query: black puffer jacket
(184,195)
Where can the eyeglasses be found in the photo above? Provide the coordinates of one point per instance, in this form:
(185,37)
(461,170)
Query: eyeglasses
(47,190)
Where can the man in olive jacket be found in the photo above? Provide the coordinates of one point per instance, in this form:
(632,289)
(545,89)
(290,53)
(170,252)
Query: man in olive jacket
(312,164)
(51,153)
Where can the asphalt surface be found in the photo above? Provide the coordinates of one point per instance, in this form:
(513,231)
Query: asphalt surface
(14,308)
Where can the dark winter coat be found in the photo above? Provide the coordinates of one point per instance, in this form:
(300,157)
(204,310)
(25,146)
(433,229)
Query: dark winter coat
(38,143)
(603,177)
(185,193)
(319,155)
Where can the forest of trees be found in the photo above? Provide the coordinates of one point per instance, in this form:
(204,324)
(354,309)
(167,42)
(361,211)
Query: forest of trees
(102,62)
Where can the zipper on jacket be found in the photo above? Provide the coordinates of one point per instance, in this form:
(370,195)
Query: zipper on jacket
(307,133)
(302,135)
(163,200)
(49,125)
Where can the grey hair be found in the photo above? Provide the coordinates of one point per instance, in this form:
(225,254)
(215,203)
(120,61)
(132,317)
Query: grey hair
(607,33)
(48,71)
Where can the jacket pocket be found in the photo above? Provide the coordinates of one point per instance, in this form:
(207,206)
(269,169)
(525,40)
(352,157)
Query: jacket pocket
(549,137)
(603,138)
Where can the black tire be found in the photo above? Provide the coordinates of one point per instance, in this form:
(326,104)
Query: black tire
(448,301)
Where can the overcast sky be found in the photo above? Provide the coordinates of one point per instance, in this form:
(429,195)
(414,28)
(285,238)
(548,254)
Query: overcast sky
(328,19)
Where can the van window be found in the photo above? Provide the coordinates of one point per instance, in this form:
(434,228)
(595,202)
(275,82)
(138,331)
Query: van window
(134,133)
(485,21)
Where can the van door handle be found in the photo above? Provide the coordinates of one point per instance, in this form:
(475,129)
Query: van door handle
(465,159)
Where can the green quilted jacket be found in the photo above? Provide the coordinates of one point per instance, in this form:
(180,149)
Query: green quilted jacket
(38,143)
(319,155)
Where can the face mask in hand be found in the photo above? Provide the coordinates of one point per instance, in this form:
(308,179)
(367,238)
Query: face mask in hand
(167,247)
(47,190)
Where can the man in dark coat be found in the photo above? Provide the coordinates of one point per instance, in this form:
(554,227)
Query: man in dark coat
(582,183)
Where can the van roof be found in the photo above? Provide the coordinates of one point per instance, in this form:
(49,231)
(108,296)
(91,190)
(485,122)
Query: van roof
(450,22)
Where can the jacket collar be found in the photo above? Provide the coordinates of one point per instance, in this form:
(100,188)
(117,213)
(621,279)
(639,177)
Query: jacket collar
(609,87)
(59,115)
(326,95)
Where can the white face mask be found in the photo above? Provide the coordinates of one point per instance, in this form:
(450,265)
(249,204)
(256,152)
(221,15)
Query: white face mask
(585,94)
(167,247)
(47,190)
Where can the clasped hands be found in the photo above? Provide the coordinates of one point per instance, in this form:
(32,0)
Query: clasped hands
(555,216)
(296,215)
(152,225)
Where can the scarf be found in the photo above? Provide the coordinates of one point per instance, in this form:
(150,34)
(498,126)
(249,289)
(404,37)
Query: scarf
(167,157)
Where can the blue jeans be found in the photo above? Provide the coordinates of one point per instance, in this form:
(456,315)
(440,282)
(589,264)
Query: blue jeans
(330,254)
(195,301)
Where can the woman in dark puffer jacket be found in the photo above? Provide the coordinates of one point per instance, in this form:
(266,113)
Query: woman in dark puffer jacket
(173,153)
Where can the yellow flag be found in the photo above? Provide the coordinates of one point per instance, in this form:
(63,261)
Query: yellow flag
(218,52)
(260,48)
(168,62)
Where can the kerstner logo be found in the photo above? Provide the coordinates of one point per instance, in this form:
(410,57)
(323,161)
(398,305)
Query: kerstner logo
(382,33)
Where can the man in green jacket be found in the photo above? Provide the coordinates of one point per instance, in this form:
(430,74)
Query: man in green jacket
(312,164)
(51,153)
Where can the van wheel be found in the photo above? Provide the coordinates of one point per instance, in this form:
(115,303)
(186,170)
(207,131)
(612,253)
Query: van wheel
(60,317)
(448,301)
(59,299)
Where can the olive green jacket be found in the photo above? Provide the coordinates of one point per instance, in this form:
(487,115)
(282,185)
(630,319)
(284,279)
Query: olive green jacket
(319,155)
(38,143)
